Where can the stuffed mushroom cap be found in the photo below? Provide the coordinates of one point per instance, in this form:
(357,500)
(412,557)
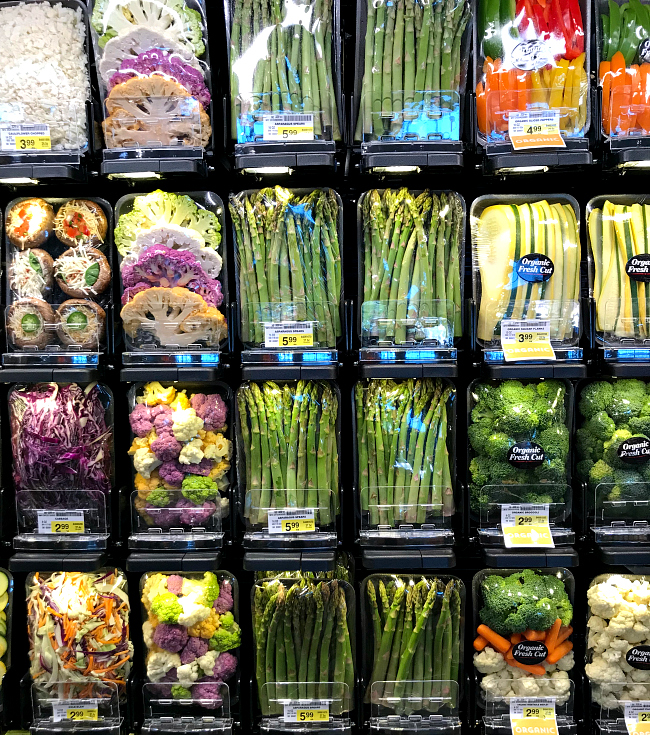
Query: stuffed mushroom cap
(80,222)
(30,323)
(82,323)
(82,272)
(29,223)
(31,273)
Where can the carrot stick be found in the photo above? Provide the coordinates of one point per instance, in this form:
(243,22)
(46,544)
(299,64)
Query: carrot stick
(509,656)
(605,78)
(536,669)
(480,643)
(515,638)
(551,638)
(534,635)
(494,639)
(564,633)
(558,652)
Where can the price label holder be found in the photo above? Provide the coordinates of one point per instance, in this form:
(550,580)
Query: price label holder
(292,521)
(25,137)
(526,526)
(289,334)
(529,130)
(526,339)
(306,711)
(55,522)
(533,715)
(84,712)
(637,717)
(288,127)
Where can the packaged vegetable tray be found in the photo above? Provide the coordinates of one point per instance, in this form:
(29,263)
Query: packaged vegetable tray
(405,454)
(613,456)
(173,270)
(288,437)
(153,68)
(63,466)
(304,636)
(6,601)
(519,440)
(181,454)
(59,287)
(413,648)
(285,70)
(411,244)
(288,245)
(532,56)
(192,640)
(411,69)
(526,264)
(523,649)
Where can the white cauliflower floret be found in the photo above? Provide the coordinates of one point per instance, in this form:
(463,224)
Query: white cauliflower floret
(621,625)
(147,634)
(620,644)
(193,612)
(550,668)
(566,663)
(145,462)
(517,673)
(604,599)
(596,624)
(206,663)
(637,675)
(186,424)
(191,453)
(623,584)
(603,698)
(160,662)
(612,656)
(496,685)
(636,691)
(489,661)
(560,685)
(601,672)
(640,592)
(526,687)
(188,674)
(639,611)
(599,642)
(639,633)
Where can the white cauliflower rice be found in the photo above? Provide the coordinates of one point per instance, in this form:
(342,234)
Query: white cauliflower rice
(43,70)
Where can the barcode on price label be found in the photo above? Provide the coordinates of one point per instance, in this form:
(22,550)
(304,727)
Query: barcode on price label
(526,339)
(292,520)
(52,521)
(289,334)
(288,127)
(535,129)
(25,137)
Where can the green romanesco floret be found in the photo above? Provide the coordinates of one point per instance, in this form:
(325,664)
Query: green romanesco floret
(555,442)
(588,446)
(610,447)
(595,397)
(601,473)
(601,426)
(479,469)
(227,620)
(583,468)
(159,498)
(166,608)
(225,639)
(198,489)
(179,692)
(211,592)
(478,434)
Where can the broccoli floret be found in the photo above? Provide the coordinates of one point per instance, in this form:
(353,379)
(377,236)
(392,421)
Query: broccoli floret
(478,434)
(588,446)
(601,473)
(511,393)
(555,442)
(552,390)
(505,473)
(198,489)
(583,468)
(552,472)
(539,615)
(640,425)
(537,498)
(595,397)
(159,498)
(601,426)
(179,692)
(479,469)
(482,412)
(629,485)
(610,453)
(549,413)
(479,497)
(225,639)
(166,607)
(497,445)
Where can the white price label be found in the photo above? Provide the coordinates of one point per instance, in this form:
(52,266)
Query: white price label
(288,127)
(526,339)
(312,710)
(289,334)
(535,129)
(526,525)
(533,715)
(53,521)
(77,711)
(637,717)
(25,137)
(292,521)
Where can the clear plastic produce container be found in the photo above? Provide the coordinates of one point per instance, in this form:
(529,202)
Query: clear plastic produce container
(526,266)
(6,607)
(304,634)
(406,298)
(63,464)
(413,666)
(288,258)
(174,277)
(613,457)
(92,613)
(519,436)
(153,67)
(543,649)
(288,444)
(182,452)
(405,460)
(192,638)
(59,291)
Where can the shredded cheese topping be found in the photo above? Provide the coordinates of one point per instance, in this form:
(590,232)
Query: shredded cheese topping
(26,281)
(72,269)
(15,321)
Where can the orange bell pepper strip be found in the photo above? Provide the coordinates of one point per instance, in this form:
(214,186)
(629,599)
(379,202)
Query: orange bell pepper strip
(618,102)
(523,85)
(481,108)
(605,79)
(492,96)
(636,94)
(643,118)
(512,89)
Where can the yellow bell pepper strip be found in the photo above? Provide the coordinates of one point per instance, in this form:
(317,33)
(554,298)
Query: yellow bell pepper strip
(557,85)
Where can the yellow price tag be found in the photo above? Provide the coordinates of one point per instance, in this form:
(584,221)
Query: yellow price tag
(81,713)
(298,524)
(33,143)
(542,713)
(295,132)
(67,527)
(296,340)
(526,339)
(312,715)
(539,129)
(530,520)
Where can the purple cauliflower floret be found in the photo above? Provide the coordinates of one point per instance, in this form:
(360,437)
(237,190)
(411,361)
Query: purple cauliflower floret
(161,517)
(225,666)
(163,421)
(160,61)
(195,515)
(207,691)
(212,409)
(141,420)
(224,602)
(194,648)
(175,584)
(170,638)
(172,473)
(164,691)
(166,446)
(170,676)
(209,290)
(129,293)
(203,468)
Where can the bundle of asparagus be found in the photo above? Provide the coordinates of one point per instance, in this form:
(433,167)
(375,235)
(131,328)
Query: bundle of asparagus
(288,441)
(412,69)
(404,467)
(289,260)
(303,643)
(416,628)
(412,265)
(281,62)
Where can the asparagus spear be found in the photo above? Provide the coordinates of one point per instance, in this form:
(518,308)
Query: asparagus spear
(312,603)
(290,652)
(262,672)
(381,664)
(313,675)
(376,617)
(328,627)
(271,672)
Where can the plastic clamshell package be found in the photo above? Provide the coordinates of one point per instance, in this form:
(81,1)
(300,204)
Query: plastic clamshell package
(398,505)
(6,620)
(186,292)
(191,659)
(177,517)
(324,670)
(59,291)
(411,70)
(301,439)
(154,75)
(506,229)
(527,59)
(417,680)
(275,260)
(300,95)
(414,306)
